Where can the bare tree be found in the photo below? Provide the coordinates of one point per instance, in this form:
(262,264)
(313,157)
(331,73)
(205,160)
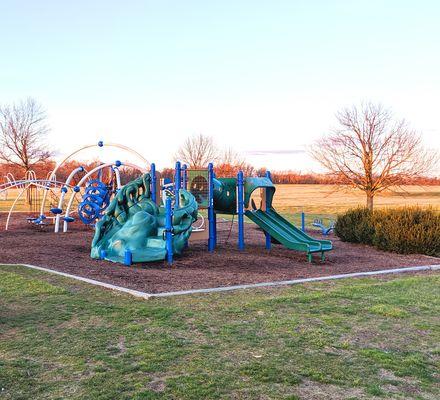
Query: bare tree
(23,130)
(197,151)
(231,157)
(371,151)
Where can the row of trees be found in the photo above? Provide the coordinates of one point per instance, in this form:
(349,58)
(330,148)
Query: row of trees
(43,169)
(370,150)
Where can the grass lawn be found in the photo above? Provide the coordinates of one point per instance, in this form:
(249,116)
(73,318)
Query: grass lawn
(351,339)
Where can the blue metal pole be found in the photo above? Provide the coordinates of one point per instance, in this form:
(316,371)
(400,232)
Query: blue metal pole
(177,184)
(128,257)
(303,221)
(184,186)
(169,230)
(240,209)
(184,176)
(211,214)
(153,182)
(214,215)
(268,239)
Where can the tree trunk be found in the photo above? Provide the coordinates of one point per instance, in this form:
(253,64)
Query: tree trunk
(370,198)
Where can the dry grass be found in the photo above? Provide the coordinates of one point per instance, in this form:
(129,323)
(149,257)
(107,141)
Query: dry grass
(321,200)
(324,199)
(8,197)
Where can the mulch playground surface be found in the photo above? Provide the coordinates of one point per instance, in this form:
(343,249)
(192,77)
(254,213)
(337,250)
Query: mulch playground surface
(196,268)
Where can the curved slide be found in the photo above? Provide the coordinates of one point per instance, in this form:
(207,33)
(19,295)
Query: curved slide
(287,234)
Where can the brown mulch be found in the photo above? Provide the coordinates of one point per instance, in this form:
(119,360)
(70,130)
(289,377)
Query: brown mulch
(196,268)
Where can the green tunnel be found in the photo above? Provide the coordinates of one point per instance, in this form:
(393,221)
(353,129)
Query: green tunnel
(225,193)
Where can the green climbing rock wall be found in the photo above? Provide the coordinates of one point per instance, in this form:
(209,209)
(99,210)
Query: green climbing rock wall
(134,222)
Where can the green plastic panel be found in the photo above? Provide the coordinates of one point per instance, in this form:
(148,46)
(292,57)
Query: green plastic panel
(251,184)
(225,195)
(198,186)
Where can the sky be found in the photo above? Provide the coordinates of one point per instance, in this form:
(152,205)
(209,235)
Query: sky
(263,77)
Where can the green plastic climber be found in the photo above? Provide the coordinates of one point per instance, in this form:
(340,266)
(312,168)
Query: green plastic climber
(134,223)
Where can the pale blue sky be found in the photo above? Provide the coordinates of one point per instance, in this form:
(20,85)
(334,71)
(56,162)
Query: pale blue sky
(257,75)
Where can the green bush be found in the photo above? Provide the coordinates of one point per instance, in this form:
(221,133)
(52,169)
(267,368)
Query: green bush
(403,230)
(355,226)
(407,230)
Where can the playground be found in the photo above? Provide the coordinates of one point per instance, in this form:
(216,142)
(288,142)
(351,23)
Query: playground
(220,200)
(194,234)
(194,231)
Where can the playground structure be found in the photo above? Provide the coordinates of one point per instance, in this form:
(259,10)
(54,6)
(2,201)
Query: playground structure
(136,229)
(133,230)
(29,190)
(83,195)
(149,219)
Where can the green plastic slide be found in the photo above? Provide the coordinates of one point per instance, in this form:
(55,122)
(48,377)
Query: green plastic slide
(287,234)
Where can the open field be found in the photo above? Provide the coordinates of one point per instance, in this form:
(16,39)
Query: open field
(7,199)
(315,200)
(358,339)
(325,199)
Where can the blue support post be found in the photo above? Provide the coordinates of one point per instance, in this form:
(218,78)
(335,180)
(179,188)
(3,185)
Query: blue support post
(184,186)
(169,230)
(153,182)
(211,213)
(177,184)
(184,176)
(240,209)
(303,221)
(268,238)
(214,215)
(128,258)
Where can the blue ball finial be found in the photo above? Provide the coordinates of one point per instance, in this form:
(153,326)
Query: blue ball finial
(64,189)
(100,143)
(76,189)
(118,163)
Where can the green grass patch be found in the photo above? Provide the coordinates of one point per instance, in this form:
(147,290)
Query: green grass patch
(364,338)
(389,311)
